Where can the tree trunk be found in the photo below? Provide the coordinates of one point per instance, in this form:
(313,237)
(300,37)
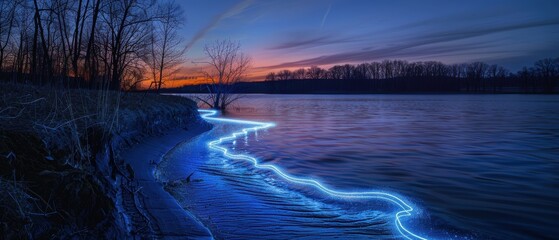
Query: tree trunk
(90,69)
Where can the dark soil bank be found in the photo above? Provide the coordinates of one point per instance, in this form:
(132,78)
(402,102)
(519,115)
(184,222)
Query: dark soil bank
(61,174)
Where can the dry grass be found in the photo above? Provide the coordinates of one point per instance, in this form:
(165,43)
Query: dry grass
(20,204)
(49,139)
(64,119)
(61,118)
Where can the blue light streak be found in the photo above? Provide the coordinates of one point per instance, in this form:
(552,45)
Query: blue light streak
(405,211)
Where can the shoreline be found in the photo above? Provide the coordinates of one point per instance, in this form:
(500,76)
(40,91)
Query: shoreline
(167,218)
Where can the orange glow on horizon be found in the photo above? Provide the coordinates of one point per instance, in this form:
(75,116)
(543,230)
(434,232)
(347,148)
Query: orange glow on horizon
(190,75)
(176,82)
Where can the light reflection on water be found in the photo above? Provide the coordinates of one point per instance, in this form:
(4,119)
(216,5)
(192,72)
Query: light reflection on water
(485,164)
(236,201)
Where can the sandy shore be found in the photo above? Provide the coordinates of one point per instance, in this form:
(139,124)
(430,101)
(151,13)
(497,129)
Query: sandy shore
(167,218)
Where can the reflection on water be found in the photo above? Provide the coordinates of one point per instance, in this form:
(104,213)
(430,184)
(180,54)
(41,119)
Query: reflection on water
(236,201)
(484,164)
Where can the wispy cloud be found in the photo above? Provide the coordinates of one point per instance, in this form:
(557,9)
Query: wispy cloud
(310,39)
(313,40)
(458,19)
(230,12)
(413,46)
(325,16)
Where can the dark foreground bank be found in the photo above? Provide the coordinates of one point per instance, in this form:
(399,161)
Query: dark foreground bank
(61,170)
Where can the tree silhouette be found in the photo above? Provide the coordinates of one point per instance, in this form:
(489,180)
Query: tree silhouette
(227,66)
(429,76)
(88,43)
(165,51)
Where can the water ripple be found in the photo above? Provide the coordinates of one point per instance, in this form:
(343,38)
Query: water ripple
(405,208)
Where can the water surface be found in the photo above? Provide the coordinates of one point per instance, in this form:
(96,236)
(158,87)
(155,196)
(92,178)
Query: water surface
(482,166)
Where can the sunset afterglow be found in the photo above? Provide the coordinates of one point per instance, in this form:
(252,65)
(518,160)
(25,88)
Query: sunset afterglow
(293,34)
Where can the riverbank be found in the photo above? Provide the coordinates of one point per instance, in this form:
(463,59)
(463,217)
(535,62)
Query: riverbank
(161,214)
(65,171)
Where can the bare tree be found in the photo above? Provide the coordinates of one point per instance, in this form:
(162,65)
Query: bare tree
(476,72)
(7,23)
(315,72)
(336,72)
(95,43)
(127,31)
(284,75)
(166,51)
(90,65)
(78,34)
(361,71)
(548,69)
(228,65)
(299,73)
(271,76)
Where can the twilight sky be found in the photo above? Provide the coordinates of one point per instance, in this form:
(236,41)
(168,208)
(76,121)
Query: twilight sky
(280,34)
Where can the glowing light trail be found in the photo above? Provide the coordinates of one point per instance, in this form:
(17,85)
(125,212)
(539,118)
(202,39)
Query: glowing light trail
(405,211)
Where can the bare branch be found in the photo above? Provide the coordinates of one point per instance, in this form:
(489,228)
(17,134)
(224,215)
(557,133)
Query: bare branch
(228,65)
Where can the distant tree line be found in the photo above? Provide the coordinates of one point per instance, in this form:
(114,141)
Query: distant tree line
(403,76)
(112,44)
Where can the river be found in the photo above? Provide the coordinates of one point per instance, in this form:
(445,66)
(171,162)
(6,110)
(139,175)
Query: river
(473,166)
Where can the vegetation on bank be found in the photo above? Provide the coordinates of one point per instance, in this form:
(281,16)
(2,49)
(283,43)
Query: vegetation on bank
(59,168)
